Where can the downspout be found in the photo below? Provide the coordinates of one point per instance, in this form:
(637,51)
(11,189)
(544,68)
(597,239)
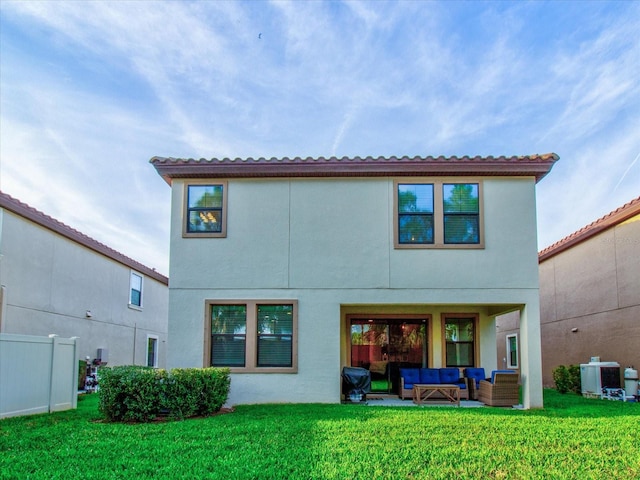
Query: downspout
(3,304)
(135,330)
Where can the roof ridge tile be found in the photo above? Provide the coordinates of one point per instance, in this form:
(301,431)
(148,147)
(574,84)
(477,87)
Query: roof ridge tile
(605,222)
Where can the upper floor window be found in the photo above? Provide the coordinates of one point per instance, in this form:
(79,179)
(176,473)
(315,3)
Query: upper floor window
(438,214)
(461,212)
(205,214)
(135,290)
(252,336)
(415,213)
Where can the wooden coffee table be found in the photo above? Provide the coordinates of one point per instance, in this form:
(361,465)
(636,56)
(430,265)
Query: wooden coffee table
(423,391)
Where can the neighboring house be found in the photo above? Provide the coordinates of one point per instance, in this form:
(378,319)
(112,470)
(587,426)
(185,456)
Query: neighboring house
(55,280)
(589,297)
(287,270)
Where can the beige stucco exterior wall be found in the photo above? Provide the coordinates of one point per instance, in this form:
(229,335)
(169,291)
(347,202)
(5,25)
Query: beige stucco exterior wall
(329,244)
(593,287)
(51,282)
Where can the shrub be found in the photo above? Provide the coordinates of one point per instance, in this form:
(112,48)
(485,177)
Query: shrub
(182,393)
(131,393)
(567,379)
(192,391)
(140,394)
(574,378)
(215,390)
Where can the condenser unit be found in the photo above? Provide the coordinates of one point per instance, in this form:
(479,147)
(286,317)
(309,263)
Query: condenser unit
(594,376)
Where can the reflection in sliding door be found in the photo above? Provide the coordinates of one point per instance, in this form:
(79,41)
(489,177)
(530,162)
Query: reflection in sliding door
(384,345)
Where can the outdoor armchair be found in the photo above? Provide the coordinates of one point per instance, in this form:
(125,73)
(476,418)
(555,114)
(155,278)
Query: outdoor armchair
(473,376)
(501,391)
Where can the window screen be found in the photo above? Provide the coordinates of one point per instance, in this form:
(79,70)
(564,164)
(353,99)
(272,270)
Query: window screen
(415,213)
(228,335)
(461,213)
(275,335)
(204,208)
(459,339)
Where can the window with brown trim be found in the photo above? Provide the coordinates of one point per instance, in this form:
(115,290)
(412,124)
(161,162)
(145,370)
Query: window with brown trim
(205,210)
(461,213)
(252,336)
(460,339)
(438,213)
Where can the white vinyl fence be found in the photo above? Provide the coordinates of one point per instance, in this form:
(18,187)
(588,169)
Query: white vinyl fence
(37,374)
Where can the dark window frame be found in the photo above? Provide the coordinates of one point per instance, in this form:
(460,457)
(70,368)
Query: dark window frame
(423,216)
(438,213)
(221,211)
(461,214)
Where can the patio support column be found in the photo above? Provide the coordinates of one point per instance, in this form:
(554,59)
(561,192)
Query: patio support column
(531,356)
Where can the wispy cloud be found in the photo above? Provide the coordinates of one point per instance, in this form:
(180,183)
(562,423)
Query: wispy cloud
(122,81)
(624,175)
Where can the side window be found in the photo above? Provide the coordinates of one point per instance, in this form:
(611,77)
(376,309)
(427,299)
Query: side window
(512,351)
(205,214)
(461,211)
(135,290)
(152,351)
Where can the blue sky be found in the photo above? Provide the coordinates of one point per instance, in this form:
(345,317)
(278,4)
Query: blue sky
(90,91)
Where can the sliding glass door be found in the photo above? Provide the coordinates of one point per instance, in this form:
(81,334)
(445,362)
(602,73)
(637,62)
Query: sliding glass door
(384,345)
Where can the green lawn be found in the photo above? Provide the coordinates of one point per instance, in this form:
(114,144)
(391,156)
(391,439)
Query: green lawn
(571,438)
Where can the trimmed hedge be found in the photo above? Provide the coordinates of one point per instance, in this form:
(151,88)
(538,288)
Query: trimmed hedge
(140,394)
(567,379)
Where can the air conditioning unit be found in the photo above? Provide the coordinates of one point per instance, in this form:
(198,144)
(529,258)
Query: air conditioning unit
(594,376)
(103,356)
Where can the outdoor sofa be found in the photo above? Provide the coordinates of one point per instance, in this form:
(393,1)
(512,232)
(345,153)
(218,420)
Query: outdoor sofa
(432,376)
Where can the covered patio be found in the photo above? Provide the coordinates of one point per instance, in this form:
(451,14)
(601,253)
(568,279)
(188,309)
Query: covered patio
(383,339)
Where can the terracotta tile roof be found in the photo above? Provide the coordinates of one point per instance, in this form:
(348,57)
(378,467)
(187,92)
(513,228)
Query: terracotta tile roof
(611,219)
(22,209)
(531,165)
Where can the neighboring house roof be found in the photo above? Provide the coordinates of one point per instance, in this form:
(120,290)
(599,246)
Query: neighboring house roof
(531,165)
(22,209)
(611,219)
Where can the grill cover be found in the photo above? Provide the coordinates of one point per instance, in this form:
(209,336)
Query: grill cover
(356,381)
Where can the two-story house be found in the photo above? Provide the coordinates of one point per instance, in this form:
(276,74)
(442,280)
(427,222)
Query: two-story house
(287,270)
(57,280)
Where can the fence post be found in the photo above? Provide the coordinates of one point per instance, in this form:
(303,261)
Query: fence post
(74,378)
(54,344)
